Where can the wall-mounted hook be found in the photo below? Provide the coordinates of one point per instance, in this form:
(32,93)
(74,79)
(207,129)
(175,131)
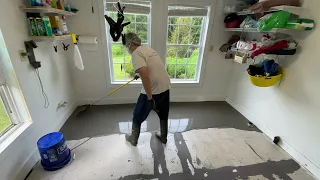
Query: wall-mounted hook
(65,48)
(55,48)
(30,45)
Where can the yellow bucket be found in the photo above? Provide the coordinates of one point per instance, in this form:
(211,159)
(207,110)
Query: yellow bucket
(266,81)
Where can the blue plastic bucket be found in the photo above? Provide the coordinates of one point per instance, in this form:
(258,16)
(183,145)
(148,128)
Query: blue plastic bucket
(53,151)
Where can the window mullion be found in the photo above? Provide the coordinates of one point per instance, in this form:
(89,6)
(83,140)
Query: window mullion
(135,24)
(175,69)
(190,30)
(201,47)
(124,65)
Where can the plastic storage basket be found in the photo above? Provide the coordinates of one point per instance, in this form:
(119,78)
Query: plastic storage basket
(266,81)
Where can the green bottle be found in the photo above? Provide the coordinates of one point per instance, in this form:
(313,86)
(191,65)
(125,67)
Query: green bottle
(47,25)
(40,27)
(54,4)
(33,26)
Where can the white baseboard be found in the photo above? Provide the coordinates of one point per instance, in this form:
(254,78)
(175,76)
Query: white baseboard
(298,156)
(109,101)
(66,115)
(28,165)
(35,157)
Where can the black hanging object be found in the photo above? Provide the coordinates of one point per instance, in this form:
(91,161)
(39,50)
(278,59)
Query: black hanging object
(276,139)
(92,7)
(117,28)
(30,45)
(124,39)
(65,48)
(55,48)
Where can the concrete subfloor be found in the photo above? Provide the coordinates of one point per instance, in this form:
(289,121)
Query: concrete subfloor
(208,140)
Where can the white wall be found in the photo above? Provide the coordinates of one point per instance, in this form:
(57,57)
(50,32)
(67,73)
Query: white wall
(290,111)
(19,157)
(94,81)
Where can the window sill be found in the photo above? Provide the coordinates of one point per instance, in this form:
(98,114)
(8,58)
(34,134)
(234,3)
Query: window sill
(175,83)
(12,134)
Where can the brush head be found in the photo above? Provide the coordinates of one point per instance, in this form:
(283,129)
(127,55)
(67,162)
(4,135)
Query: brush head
(83,108)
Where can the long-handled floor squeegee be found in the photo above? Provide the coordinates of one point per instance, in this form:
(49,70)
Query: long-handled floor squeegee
(85,107)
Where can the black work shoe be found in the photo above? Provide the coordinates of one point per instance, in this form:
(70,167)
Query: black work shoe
(135,133)
(163,140)
(129,139)
(163,131)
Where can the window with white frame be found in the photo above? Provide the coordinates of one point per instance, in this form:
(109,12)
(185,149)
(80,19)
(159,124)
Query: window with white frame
(8,115)
(137,12)
(180,41)
(185,42)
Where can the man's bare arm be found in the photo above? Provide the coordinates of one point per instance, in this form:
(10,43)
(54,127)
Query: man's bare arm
(145,77)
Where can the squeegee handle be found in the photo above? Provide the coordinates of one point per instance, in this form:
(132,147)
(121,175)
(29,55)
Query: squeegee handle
(112,92)
(122,86)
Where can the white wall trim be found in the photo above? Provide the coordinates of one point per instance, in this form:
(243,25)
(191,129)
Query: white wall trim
(109,101)
(34,157)
(297,156)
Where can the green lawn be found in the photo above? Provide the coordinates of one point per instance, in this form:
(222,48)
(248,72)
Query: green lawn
(4,119)
(171,66)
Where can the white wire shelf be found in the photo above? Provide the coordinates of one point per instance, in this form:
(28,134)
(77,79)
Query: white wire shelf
(291,9)
(46,10)
(50,38)
(274,30)
(275,56)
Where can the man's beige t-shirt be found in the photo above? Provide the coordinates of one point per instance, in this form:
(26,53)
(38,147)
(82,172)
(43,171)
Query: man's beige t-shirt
(146,57)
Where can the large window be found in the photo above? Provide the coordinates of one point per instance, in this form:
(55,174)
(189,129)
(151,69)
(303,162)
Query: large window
(184,42)
(122,68)
(178,37)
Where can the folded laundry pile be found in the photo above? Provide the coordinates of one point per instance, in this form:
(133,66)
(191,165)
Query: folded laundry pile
(268,45)
(264,68)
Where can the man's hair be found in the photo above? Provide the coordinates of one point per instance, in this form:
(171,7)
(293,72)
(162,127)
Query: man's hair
(133,38)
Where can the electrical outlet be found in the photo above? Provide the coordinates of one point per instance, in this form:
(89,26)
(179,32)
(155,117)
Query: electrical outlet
(62,104)
(22,58)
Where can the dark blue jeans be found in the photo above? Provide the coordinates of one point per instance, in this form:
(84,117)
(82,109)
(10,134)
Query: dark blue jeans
(144,107)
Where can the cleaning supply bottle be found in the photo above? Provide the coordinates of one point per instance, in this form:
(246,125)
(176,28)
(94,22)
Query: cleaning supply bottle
(63,25)
(67,6)
(60,4)
(54,4)
(47,3)
(301,24)
(33,2)
(47,25)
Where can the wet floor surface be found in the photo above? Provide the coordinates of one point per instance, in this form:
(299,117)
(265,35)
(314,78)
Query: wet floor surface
(104,120)
(208,140)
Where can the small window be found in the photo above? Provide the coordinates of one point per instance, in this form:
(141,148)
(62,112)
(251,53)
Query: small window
(7,119)
(120,60)
(185,42)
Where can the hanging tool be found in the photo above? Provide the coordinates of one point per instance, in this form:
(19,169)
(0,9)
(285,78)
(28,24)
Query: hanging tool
(116,28)
(55,48)
(65,47)
(92,7)
(86,107)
